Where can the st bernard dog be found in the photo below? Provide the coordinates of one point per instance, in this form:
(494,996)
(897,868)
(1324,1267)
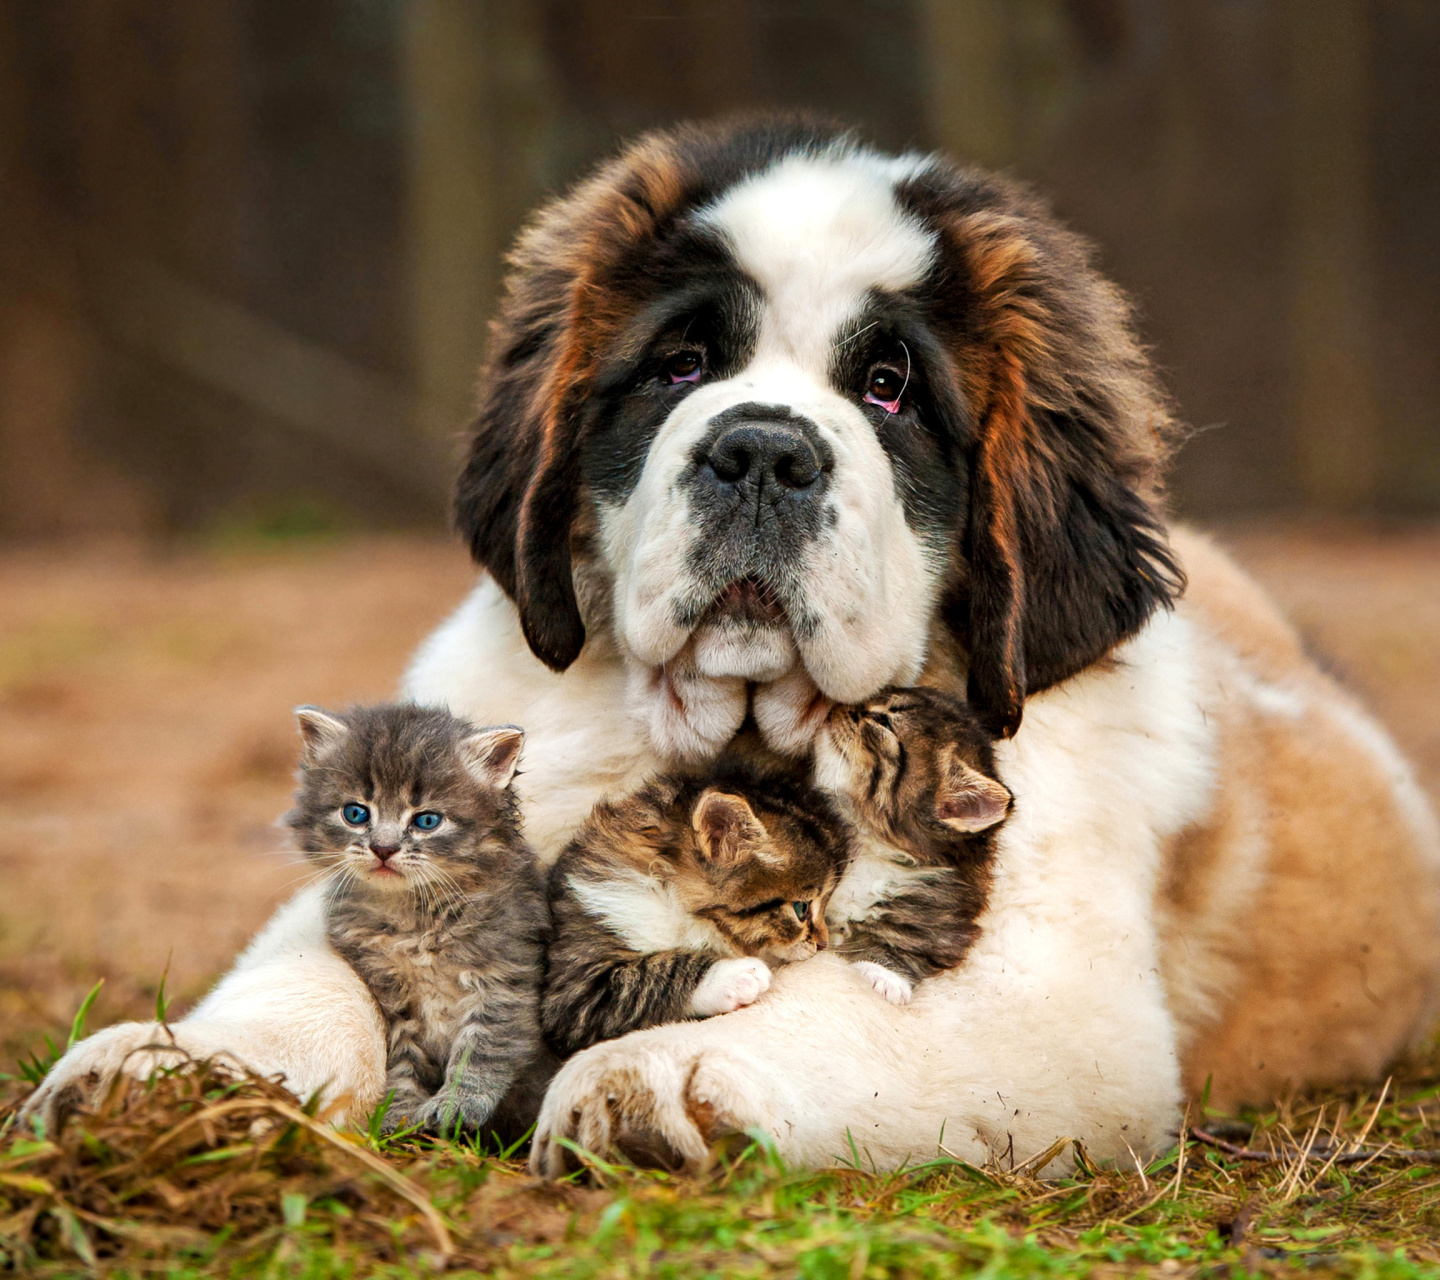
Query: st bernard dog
(772,419)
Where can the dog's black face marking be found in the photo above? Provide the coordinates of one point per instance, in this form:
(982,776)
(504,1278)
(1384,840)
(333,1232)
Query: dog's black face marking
(928,436)
(696,303)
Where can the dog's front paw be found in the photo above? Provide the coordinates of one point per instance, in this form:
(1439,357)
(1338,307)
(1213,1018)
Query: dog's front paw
(730,985)
(653,1098)
(895,988)
(81,1077)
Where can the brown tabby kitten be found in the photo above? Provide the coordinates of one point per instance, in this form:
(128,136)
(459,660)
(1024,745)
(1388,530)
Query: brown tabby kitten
(436,901)
(674,902)
(914,773)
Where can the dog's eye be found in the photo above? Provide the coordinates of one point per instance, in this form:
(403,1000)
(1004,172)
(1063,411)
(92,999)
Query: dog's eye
(886,384)
(682,366)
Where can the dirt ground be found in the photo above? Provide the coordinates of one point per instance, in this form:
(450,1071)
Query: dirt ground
(146,742)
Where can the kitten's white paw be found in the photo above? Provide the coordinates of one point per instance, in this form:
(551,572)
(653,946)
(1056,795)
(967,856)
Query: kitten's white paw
(887,982)
(730,985)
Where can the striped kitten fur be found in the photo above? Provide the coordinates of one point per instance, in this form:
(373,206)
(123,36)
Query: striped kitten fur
(913,773)
(674,902)
(436,901)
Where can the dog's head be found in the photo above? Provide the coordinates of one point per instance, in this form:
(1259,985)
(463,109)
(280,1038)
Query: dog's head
(762,388)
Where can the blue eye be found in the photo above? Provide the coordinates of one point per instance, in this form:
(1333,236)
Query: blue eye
(426,821)
(357,815)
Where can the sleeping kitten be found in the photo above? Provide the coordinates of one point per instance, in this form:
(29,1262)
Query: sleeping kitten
(914,773)
(436,901)
(674,902)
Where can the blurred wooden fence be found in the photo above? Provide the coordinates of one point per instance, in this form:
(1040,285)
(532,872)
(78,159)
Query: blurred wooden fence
(250,246)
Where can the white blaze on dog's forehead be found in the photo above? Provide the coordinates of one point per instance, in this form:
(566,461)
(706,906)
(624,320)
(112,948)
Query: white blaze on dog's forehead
(818,233)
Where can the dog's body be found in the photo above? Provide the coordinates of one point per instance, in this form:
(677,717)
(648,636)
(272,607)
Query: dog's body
(772,420)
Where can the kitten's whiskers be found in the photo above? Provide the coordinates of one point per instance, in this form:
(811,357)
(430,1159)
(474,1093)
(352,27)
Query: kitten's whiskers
(307,876)
(341,877)
(450,888)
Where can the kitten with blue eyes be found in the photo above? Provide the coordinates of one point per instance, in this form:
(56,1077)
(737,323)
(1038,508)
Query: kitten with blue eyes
(436,901)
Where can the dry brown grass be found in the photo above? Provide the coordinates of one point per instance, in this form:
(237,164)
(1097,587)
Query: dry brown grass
(193,1158)
(197,1173)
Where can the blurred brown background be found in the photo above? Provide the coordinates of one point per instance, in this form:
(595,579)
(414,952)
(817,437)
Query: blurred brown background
(248,248)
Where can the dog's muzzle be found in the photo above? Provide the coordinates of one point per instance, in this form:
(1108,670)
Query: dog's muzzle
(758,490)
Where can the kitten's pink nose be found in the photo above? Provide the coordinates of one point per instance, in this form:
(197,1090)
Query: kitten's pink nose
(384,851)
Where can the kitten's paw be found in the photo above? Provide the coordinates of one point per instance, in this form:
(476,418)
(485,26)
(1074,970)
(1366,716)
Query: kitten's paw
(442,1115)
(730,985)
(393,1121)
(402,1111)
(895,988)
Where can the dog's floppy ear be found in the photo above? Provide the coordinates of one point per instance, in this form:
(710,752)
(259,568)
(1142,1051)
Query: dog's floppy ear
(516,499)
(1064,546)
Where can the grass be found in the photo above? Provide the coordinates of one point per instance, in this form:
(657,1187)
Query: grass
(198,1174)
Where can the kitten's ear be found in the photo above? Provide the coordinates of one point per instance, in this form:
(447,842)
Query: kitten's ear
(492,755)
(967,800)
(319,731)
(727,829)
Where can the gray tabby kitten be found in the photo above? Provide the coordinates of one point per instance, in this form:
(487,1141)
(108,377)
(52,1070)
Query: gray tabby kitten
(436,901)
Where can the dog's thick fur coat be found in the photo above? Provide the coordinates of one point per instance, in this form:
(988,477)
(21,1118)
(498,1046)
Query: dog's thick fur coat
(1218,867)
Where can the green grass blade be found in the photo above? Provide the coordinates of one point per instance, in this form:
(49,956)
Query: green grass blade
(162,1002)
(77,1027)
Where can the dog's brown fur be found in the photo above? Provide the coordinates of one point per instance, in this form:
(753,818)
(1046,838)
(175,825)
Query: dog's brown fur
(1300,921)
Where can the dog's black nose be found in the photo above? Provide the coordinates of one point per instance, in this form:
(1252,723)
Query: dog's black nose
(757,454)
